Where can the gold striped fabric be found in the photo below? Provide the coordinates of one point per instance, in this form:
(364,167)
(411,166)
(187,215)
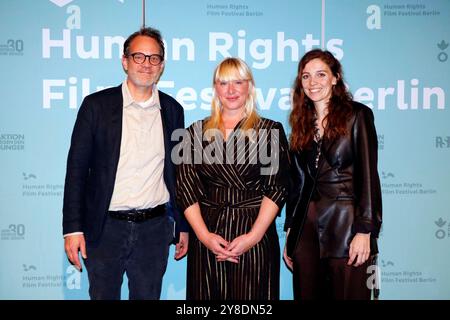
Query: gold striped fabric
(230,195)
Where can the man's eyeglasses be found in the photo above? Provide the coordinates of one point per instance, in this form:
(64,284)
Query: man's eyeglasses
(154,59)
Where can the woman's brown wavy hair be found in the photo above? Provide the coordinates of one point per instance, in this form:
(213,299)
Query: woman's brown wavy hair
(303,111)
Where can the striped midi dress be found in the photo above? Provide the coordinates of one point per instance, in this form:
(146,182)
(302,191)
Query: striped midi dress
(229,194)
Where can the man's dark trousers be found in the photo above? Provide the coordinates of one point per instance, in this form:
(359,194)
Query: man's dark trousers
(139,249)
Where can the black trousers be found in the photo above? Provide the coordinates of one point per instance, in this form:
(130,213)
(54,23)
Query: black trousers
(138,249)
(325,278)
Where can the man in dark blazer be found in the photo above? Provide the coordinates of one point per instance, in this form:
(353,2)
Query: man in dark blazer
(119,197)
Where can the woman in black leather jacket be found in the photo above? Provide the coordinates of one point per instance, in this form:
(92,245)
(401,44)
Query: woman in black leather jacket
(333,215)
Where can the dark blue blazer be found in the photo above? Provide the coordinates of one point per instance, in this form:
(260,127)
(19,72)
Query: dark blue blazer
(94,156)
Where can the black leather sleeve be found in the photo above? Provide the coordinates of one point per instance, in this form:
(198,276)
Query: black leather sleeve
(296,182)
(368,206)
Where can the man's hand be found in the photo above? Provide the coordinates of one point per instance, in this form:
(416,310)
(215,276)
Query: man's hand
(73,244)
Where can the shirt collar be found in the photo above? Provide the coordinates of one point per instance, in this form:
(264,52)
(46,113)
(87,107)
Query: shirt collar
(128,100)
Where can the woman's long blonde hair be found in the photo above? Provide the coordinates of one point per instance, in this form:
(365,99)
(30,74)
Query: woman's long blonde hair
(228,70)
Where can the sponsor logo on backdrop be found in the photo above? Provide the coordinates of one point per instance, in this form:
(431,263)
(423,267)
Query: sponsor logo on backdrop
(385,263)
(12,47)
(390,274)
(387,175)
(32,279)
(442,142)
(12,142)
(233,10)
(374,20)
(13,232)
(423,9)
(442,56)
(27,176)
(27,268)
(443,229)
(32,187)
(391,185)
(380,141)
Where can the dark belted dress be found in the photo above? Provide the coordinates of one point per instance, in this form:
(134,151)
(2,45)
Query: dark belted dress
(230,195)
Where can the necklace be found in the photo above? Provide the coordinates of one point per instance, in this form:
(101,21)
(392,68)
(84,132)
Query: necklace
(318,139)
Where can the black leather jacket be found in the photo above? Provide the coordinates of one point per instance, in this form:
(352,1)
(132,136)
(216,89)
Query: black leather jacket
(346,189)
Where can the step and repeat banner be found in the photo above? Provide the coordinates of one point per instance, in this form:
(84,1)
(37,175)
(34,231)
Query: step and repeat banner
(395,56)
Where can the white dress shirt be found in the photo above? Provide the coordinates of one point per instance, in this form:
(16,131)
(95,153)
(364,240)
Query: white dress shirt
(140,173)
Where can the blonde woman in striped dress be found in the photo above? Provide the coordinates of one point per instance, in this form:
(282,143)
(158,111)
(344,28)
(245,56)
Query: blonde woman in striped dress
(231,185)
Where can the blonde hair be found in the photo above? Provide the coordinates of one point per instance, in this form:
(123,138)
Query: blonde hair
(228,70)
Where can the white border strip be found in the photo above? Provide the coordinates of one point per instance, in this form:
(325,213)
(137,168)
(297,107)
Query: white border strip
(323,24)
